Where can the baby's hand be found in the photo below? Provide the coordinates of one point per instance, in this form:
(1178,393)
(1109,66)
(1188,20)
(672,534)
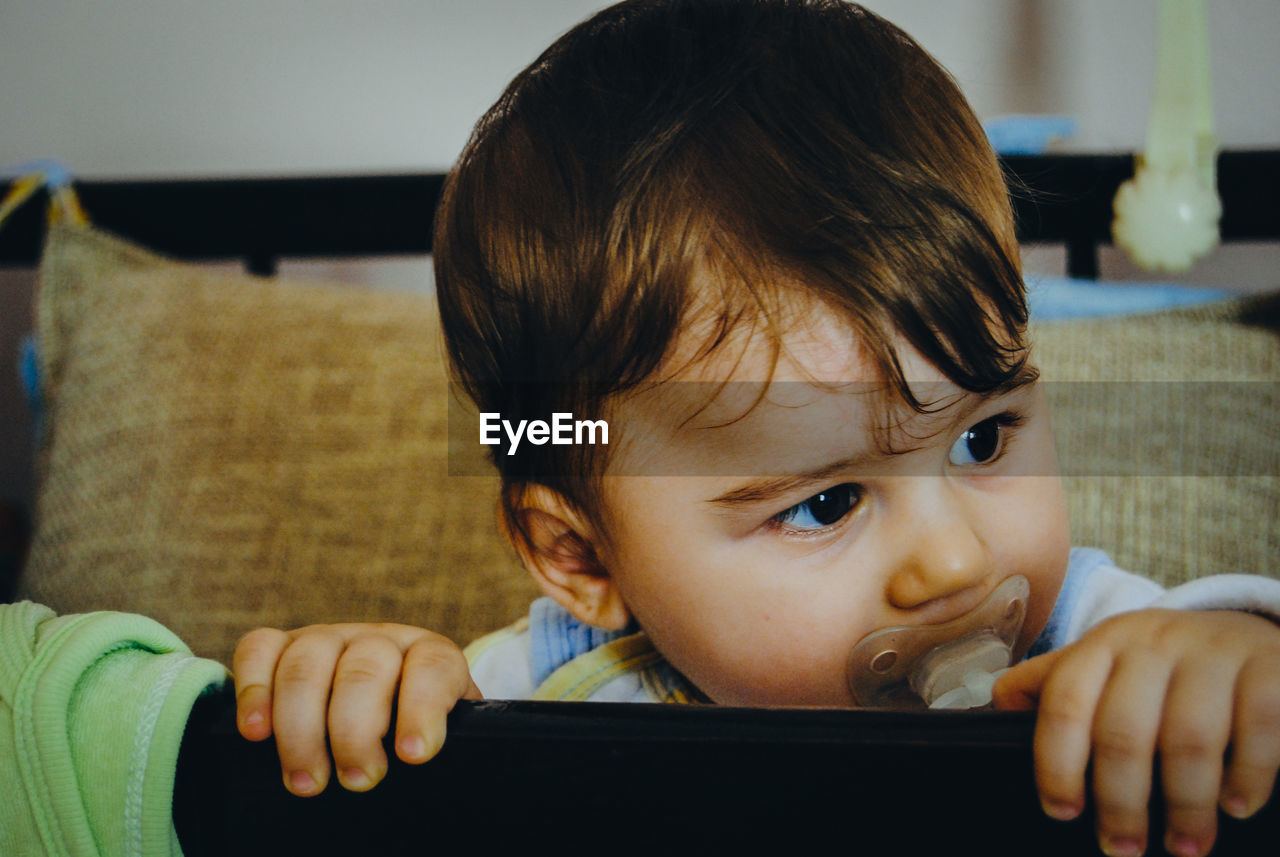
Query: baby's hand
(1188,684)
(342,680)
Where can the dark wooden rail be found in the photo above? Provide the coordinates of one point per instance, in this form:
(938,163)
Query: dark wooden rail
(658,778)
(1058,199)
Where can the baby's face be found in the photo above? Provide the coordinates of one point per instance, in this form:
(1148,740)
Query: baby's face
(779,533)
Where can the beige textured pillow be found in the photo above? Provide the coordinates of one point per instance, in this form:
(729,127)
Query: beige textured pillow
(225,452)
(1168,427)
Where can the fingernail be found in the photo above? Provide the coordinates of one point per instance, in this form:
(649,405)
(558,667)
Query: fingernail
(1122,846)
(354,779)
(301,782)
(1059,811)
(412,747)
(1181,845)
(1236,807)
(254,719)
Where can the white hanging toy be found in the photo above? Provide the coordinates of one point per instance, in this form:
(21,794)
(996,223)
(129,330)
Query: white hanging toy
(1166,216)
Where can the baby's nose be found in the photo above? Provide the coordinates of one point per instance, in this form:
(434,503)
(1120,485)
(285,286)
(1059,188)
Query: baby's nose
(939,558)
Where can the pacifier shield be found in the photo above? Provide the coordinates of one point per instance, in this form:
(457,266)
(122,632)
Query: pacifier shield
(882,663)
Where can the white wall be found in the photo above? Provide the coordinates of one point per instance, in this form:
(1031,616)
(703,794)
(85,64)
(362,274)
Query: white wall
(177,87)
(123,88)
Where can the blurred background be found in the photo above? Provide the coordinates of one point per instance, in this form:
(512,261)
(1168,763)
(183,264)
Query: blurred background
(177,88)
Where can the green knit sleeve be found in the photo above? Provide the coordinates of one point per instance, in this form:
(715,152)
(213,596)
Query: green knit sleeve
(92,710)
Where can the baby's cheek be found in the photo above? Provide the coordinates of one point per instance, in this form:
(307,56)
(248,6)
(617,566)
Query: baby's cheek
(768,672)
(1031,536)
(1046,578)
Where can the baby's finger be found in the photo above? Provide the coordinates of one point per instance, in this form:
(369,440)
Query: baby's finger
(1064,729)
(1255,742)
(1125,731)
(1020,686)
(364,685)
(1193,739)
(434,677)
(303,679)
(254,667)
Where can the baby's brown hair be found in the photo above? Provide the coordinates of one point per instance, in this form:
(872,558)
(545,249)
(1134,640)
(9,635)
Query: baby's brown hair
(782,144)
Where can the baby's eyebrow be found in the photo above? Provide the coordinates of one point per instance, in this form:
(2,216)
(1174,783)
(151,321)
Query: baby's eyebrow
(1027,376)
(769,488)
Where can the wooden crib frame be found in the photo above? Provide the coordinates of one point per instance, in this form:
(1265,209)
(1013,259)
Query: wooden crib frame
(261,220)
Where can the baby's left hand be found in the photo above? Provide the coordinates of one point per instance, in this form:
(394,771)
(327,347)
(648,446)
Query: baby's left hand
(1189,684)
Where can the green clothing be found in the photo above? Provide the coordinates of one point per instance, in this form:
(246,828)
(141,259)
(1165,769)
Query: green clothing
(92,710)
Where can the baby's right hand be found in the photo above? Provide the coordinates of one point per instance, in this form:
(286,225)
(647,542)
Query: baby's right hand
(342,679)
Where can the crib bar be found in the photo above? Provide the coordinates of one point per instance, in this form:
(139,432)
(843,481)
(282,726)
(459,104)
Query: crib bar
(1062,199)
(713,778)
(252,219)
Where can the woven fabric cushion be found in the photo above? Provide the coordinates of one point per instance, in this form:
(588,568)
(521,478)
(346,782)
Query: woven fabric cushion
(224,452)
(1167,428)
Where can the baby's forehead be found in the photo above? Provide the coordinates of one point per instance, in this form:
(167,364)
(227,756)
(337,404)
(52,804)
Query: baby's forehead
(823,348)
(805,341)
(765,389)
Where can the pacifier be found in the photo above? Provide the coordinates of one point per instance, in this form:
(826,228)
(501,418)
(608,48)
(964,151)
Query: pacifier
(949,665)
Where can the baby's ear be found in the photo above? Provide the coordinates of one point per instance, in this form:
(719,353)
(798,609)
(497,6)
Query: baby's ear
(558,546)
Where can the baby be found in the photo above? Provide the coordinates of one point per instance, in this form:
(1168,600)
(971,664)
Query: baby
(766,243)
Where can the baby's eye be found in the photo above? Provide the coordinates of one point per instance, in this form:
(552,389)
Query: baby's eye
(984,442)
(822,509)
